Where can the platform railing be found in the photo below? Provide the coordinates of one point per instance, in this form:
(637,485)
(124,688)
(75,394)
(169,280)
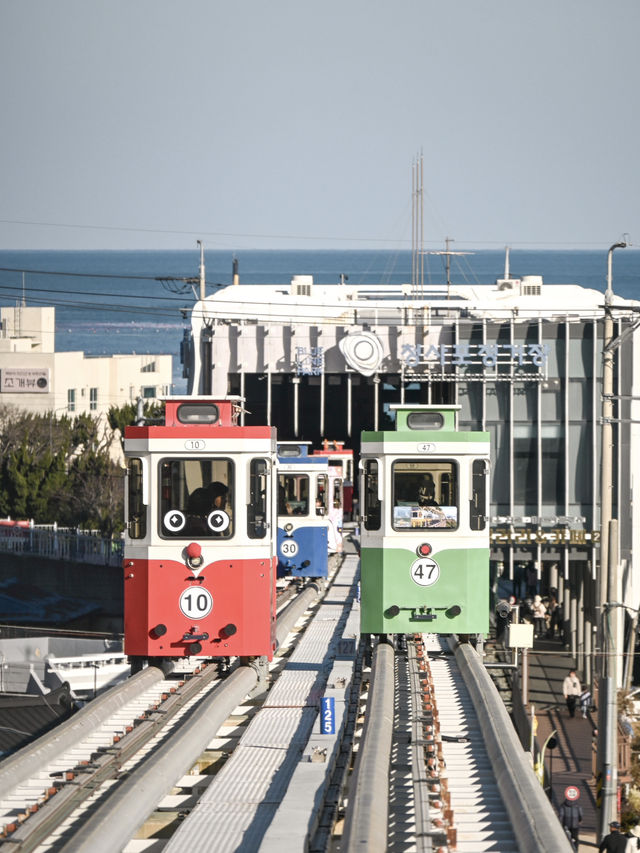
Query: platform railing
(51,542)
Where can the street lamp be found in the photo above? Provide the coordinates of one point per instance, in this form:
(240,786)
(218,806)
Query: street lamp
(608,578)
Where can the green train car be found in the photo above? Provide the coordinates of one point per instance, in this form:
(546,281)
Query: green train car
(425,525)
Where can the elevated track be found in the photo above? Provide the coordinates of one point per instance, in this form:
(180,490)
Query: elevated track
(420,755)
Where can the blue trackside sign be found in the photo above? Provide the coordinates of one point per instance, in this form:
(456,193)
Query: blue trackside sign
(328,715)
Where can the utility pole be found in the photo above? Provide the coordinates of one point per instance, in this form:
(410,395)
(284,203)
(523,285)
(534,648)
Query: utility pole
(608,581)
(202,282)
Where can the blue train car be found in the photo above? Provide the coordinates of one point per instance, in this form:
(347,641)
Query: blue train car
(303,489)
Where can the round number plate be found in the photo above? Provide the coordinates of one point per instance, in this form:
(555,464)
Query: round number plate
(289,548)
(425,572)
(196,602)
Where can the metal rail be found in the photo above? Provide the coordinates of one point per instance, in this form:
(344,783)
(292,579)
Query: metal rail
(23,764)
(111,826)
(518,817)
(473,785)
(135,798)
(533,819)
(367,819)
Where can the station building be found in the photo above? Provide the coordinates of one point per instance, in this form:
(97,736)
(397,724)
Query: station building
(36,378)
(522,358)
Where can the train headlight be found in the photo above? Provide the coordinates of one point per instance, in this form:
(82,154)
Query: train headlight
(423,550)
(194,555)
(288,527)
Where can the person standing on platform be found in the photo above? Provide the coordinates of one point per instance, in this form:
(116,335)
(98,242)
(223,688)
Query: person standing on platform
(554,613)
(615,842)
(570,815)
(539,613)
(571,691)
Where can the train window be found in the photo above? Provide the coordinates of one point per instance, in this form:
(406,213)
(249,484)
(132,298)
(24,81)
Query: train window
(425,494)
(137,516)
(425,420)
(257,508)
(371,507)
(198,413)
(196,498)
(289,450)
(321,494)
(478,508)
(337,493)
(293,494)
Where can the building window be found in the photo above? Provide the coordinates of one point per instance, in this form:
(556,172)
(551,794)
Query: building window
(149,368)
(553,456)
(71,399)
(149,392)
(93,399)
(525,467)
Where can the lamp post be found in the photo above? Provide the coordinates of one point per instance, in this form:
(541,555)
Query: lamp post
(608,579)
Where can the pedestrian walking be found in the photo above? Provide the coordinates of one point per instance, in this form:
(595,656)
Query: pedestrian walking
(570,815)
(615,841)
(571,690)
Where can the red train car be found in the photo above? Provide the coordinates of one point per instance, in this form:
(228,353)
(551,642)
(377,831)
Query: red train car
(200,562)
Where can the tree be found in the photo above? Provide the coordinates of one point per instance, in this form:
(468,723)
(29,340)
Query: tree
(95,498)
(124,416)
(59,469)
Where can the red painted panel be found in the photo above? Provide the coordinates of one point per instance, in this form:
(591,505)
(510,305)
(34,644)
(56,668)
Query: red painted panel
(228,592)
(198,431)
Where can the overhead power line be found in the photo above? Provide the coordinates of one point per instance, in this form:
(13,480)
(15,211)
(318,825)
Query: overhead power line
(31,290)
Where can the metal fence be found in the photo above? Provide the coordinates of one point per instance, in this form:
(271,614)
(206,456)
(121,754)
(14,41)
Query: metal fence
(61,544)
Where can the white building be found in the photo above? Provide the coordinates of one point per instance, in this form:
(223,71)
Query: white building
(36,378)
(522,358)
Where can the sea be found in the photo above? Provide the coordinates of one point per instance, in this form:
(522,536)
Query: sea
(110,302)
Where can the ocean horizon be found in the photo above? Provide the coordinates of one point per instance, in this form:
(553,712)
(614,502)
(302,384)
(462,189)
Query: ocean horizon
(138,301)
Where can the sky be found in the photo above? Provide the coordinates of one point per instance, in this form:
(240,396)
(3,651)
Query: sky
(150,124)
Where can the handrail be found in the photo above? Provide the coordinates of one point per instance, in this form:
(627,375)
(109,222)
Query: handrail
(535,824)
(56,544)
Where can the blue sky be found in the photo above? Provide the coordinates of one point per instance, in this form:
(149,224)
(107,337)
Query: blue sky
(287,124)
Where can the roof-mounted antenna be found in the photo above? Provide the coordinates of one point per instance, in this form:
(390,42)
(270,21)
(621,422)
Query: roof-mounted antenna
(506,263)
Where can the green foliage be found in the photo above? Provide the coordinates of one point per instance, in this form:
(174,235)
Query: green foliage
(126,415)
(59,469)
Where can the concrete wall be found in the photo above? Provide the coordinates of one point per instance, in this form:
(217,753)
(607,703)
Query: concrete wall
(102,584)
